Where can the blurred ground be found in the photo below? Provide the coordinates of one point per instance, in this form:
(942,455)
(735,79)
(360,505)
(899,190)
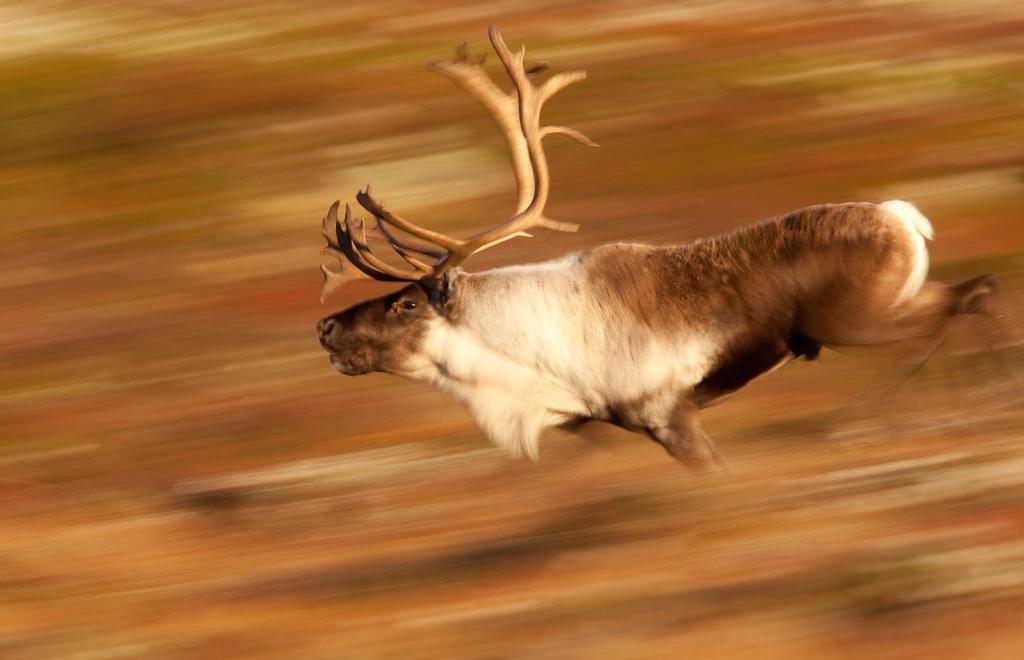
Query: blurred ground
(182,476)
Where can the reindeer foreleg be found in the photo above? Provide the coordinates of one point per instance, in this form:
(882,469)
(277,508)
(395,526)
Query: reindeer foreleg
(686,440)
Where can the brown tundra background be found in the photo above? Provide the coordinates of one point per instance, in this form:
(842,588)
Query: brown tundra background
(183,476)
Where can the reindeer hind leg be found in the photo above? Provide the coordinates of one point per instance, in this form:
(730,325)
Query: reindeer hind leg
(928,315)
(1001,340)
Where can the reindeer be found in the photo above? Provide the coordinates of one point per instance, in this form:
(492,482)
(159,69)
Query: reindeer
(637,335)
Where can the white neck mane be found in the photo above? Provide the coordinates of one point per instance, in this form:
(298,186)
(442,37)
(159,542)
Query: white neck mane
(532,348)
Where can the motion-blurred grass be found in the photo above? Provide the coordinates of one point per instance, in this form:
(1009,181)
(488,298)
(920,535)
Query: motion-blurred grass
(181,475)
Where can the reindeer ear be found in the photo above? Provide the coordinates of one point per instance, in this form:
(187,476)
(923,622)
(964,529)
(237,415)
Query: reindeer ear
(440,289)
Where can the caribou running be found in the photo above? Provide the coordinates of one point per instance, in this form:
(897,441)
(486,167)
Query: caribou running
(637,335)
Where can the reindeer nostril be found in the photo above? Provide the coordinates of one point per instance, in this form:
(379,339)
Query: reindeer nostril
(326,326)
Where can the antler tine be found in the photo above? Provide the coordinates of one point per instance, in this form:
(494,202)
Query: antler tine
(558,82)
(413,261)
(569,133)
(379,211)
(397,242)
(405,249)
(330,227)
(462,54)
(357,231)
(334,280)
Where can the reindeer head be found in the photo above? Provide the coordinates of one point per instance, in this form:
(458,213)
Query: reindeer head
(384,334)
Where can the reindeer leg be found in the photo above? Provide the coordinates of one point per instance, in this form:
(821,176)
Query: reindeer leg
(886,383)
(929,314)
(908,369)
(686,440)
(1003,341)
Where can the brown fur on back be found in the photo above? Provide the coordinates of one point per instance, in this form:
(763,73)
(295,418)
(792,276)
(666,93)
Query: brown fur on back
(756,273)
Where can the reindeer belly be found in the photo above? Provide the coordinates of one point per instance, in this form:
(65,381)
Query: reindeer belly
(750,357)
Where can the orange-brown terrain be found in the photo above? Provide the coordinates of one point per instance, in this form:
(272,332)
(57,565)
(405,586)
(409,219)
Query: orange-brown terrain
(183,476)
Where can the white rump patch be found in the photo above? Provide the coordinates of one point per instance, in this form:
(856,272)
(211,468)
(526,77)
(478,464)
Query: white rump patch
(918,228)
(909,214)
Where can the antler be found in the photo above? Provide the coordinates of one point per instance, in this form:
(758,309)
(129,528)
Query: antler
(355,256)
(517,114)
